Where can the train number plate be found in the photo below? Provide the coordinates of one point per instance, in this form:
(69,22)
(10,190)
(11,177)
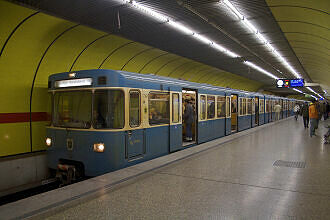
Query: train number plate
(69,144)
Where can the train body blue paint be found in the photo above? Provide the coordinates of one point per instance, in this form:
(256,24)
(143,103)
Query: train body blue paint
(105,120)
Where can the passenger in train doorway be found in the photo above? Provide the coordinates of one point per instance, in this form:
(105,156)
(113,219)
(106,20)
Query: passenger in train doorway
(296,110)
(313,116)
(305,114)
(277,109)
(188,117)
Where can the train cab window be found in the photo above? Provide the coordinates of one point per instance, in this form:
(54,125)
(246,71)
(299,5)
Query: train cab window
(159,111)
(210,107)
(249,106)
(108,109)
(203,107)
(221,107)
(72,109)
(49,112)
(134,109)
(175,108)
(228,109)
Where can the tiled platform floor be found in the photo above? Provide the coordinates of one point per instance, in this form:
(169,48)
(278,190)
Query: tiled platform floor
(236,180)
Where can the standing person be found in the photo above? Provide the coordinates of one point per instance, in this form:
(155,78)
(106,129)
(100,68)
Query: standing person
(305,114)
(313,116)
(296,110)
(324,110)
(188,117)
(277,109)
(318,108)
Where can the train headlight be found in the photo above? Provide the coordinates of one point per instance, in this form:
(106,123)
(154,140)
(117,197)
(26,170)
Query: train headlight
(48,142)
(99,147)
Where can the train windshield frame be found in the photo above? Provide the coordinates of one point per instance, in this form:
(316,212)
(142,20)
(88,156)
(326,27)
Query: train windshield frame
(72,109)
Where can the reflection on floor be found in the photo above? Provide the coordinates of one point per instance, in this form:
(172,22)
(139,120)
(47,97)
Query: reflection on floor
(237,180)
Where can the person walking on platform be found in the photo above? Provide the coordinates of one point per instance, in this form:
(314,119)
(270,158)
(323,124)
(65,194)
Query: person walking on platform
(305,114)
(313,116)
(277,109)
(188,117)
(296,110)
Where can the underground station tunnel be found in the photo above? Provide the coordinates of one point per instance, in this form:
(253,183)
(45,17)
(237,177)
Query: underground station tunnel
(172,109)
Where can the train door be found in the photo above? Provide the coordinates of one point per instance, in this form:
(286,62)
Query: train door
(189,117)
(256,103)
(234,115)
(175,129)
(135,143)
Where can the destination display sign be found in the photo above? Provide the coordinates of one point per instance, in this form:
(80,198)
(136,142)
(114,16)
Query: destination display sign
(297,83)
(290,83)
(73,83)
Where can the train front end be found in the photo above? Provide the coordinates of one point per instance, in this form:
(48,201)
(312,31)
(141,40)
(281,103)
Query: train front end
(78,146)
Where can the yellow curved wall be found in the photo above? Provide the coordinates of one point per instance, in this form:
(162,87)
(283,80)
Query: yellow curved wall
(74,47)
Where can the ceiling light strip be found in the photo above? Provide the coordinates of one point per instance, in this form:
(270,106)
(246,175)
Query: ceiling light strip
(199,37)
(181,28)
(267,44)
(260,69)
(297,90)
(310,89)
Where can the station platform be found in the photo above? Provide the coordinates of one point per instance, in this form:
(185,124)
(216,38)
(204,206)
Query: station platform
(274,171)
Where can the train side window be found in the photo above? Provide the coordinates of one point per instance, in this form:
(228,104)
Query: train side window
(134,108)
(240,106)
(244,106)
(221,106)
(228,105)
(249,106)
(253,106)
(210,107)
(109,109)
(203,107)
(261,106)
(175,107)
(159,109)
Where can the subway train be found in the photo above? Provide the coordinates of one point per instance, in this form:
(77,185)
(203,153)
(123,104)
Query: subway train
(105,120)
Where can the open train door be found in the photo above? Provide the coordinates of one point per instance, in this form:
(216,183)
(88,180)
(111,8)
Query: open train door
(189,117)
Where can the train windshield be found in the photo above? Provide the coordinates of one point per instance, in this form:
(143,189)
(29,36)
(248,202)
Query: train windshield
(73,109)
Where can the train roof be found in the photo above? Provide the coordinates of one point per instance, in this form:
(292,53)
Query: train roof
(129,79)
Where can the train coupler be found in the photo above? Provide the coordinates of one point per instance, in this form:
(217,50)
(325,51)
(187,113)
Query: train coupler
(66,174)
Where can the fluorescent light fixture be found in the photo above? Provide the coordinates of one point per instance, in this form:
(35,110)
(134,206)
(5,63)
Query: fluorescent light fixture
(233,9)
(297,90)
(73,83)
(260,69)
(218,47)
(180,27)
(148,11)
(202,39)
(251,27)
(310,89)
(231,54)
(269,46)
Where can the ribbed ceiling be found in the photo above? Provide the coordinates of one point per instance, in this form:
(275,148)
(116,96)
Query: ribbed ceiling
(306,25)
(203,17)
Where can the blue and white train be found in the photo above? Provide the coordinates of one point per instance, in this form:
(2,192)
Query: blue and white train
(105,120)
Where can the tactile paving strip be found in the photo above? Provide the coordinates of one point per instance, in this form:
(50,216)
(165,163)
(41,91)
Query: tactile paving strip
(293,164)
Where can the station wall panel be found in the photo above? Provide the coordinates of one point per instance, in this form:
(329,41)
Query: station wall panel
(35,45)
